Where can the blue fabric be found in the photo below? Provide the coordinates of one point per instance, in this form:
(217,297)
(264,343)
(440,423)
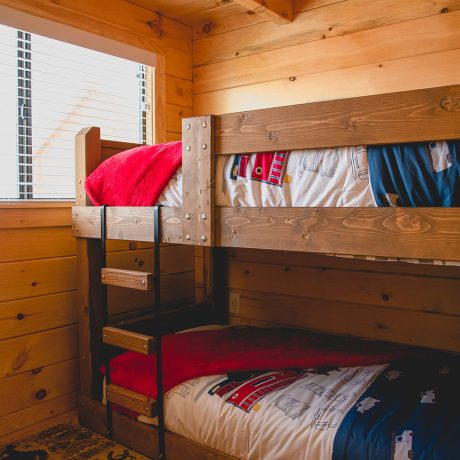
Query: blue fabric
(410,412)
(421,174)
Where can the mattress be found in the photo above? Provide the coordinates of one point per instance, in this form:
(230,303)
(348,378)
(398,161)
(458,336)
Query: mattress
(399,411)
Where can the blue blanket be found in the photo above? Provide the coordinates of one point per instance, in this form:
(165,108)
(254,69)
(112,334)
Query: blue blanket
(411,411)
(421,174)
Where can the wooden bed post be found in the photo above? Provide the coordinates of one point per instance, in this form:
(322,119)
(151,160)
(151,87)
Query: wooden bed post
(198,197)
(87,158)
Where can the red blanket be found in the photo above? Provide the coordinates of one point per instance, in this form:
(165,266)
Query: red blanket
(199,353)
(134,177)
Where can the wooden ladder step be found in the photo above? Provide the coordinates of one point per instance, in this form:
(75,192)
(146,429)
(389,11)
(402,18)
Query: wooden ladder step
(131,400)
(142,281)
(128,340)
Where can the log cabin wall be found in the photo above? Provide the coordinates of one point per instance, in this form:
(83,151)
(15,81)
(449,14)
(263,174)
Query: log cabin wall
(333,49)
(38,275)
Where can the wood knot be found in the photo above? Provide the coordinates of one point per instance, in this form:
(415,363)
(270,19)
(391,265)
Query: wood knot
(208,28)
(271,136)
(350,124)
(385,297)
(244,117)
(40,394)
(155,25)
(449,104)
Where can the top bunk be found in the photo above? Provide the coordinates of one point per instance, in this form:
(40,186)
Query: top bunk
(396,232)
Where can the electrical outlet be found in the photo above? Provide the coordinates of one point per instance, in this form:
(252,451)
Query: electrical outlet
(234,302)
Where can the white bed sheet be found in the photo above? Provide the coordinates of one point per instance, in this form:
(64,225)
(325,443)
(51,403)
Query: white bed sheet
(313,177)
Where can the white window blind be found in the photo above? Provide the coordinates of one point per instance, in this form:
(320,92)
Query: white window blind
(49,90)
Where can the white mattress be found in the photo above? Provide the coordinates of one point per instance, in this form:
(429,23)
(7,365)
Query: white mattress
(314,177)
(297,421)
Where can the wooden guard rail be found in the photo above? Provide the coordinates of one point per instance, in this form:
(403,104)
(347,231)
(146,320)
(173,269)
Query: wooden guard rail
(128,340)
(141,281)
(131,400)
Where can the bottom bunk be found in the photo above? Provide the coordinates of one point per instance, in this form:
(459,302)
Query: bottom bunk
(326,397)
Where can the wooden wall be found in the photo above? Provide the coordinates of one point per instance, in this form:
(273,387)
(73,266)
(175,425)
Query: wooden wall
(38,297)
(334,49)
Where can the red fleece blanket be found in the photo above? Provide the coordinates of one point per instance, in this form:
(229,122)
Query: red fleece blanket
(134,177)
(199,353)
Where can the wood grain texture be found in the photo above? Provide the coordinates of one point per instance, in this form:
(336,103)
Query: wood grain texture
(366,321)
(440,68)
(396,41)
(198,181)
(278,11)
(430,233)
(131,279)
(130,400)
(143,438)
(128,340)
(18,217)
(408,116)
(127,223)
(38,385)
(338,19)
(29,352)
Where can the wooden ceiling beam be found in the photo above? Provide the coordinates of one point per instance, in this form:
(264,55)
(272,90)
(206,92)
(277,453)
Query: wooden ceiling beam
(278,11)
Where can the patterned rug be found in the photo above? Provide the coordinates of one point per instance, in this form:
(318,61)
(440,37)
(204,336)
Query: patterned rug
(67,442)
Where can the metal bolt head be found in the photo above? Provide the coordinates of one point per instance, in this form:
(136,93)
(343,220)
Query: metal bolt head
(147,408)
(204,124)
(204,146)
(76,228)
(203,238)
(188,148)
(187,127)
(204,216)
(188,237)
(188,216)
(143,281)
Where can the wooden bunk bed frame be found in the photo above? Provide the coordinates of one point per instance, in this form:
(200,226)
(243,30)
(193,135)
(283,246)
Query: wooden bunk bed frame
(426,233)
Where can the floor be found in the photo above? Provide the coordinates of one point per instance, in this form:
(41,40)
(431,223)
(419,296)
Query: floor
(67,442)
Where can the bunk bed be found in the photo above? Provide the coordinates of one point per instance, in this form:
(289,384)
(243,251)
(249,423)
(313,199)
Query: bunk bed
(412,233)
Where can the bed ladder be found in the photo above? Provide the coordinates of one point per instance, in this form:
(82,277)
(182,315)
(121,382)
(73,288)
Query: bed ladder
(133,341)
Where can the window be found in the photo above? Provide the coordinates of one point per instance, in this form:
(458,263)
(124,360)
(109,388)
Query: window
(49,90)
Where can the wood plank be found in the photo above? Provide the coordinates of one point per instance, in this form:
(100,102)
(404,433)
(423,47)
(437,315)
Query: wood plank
(159,101)
(410,116)
(179,91)
(35,243)
(421,36)
(143,438)
(174,288)
(174,116)
(430,233)
(356,287)
(32,351)
(33,278)
(131,400)
(178,64)
(170,136)
(87,159)
(440,69)
(33,419)
(278,11)
(20,217)
(174,259)
(66,417)
(128,340)
(367,321)
(325,262)
(132,223)
(30,315)
(110,148)
(335,20)
(142,281)
(37,386)
(198,183)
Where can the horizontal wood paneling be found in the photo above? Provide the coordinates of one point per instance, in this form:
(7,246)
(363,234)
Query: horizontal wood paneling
(26,217)
(39,385)
(34,419)
(396,41)
(32,351)
(27,316)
